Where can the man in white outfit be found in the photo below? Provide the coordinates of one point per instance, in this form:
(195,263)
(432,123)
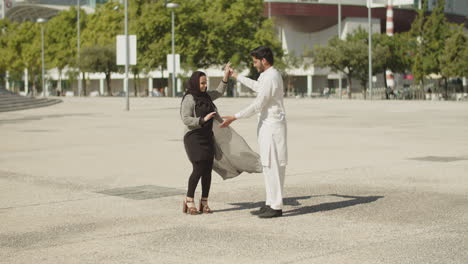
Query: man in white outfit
(272,129)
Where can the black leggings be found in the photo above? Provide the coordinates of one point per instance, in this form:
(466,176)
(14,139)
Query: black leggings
(201,169)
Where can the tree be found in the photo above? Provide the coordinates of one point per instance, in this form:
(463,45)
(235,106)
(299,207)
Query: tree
(151,22)
(396,56)
(208,33)
(5,32)
(235,28)
(437,30)
(430,33)
(452,60)
(9,58)
(465,62)
(24,51)
(61,38)
(100,36)
(419,44)
(287,63)
(99,59)
(349,56)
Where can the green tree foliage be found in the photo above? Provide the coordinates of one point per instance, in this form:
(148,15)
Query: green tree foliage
(151,22)
(397,57)
(103,25)
(436,31)
(465,62)
(453,61)
(350,56)
(430,33)
(287,63)
(99,40)
(99,59)
(235,28)
(419,44)
(5,31)
(208,33)
(24,52)
(451,58)
(61,39)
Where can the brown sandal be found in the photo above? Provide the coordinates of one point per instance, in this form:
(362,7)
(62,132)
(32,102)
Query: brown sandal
(204,208)
(189,209)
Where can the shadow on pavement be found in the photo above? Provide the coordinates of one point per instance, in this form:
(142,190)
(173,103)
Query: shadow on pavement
(354,200)
(295,201)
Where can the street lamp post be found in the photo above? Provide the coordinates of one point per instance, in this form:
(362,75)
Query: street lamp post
(339,37)
(369,8)
(78,46)
(127,91)
(44,89)
(172,6)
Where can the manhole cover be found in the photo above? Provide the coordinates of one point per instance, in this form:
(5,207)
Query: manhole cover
(439,159)
(143,192)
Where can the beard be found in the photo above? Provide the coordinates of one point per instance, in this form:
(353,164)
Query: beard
(261,68)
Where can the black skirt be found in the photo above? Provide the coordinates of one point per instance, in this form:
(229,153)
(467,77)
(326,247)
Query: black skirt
(199,144)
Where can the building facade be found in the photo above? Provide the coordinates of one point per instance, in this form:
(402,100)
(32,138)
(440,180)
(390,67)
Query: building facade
(31,10)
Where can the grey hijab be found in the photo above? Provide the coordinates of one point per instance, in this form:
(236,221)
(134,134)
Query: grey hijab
(232,154)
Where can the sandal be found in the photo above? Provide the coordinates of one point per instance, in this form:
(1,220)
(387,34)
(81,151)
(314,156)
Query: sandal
(204,208)
(189,206)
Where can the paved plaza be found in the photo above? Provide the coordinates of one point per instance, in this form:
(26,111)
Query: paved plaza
(372,182)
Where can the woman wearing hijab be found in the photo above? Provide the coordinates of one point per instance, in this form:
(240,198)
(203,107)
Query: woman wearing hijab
(197,112)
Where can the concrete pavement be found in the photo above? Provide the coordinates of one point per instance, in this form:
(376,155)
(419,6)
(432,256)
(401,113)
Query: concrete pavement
(367,182)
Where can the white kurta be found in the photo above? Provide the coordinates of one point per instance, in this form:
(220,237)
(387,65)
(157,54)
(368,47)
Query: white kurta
(271,131)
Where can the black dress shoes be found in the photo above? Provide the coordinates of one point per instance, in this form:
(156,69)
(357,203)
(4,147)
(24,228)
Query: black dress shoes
(261,210)
(270,213)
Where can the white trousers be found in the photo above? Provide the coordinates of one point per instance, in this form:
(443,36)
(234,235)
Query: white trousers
(274,182)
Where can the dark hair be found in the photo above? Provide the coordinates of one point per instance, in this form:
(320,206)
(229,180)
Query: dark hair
(263,52)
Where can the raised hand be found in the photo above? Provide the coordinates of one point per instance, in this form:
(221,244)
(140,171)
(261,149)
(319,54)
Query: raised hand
(227,72)
(232,72)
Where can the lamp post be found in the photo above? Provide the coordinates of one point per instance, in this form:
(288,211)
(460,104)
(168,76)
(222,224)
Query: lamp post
(339,37)
(126,57)
(172,6)
(369,8)
(78,46)
(42,21)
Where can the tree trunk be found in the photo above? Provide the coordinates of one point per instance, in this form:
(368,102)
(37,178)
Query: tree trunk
(387,94)
(59,84)
(84,83)
(108,80)
(135,86)
(33,81)
(349,87)
(162,81)
(364,90)
(446,88)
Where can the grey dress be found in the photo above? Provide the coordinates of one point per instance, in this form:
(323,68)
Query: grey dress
(232,155)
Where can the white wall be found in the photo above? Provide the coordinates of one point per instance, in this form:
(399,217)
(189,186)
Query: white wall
(299,42)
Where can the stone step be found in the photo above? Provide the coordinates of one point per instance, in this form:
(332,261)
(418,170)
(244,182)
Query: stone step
(4,99)
(15,107)
(12,102)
